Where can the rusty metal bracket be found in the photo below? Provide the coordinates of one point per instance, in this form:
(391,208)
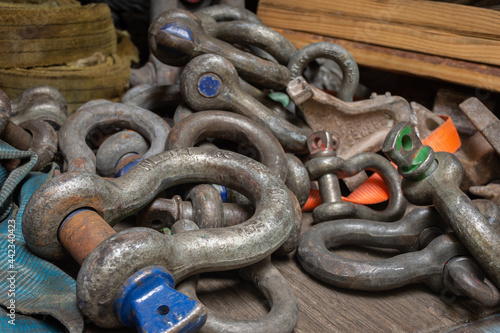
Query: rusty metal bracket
(484,120)
(360,126)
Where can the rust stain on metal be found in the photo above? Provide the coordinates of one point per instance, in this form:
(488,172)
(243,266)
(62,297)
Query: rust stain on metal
(81,233)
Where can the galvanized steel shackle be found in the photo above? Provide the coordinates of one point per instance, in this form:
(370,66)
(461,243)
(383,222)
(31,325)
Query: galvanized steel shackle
(243,130)
(35,135)
(43,102)
(229,13)
(284,313)
(104,114)
(434,178)
(337,53)
(258,35)
(416,231)
(233,127)
(153,97)
(206,208)
(210,82)
(177,36)
(107,267)
(396,206)
(239,129)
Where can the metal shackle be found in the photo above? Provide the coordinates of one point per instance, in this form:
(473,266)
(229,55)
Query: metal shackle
(104,114)
(416,231)
(43,102)
(434,179)
(222,13)
(210,82)
(229,126)
(233,127)
(153,97)
(35,135)
(44,141)
(113,261)
(177,36)
(163,213)
(257,35)
(284,313)
(334,208)
(337,53)
(117,147)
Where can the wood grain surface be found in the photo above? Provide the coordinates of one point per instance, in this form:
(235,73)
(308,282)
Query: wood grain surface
(388,59)
(449,30)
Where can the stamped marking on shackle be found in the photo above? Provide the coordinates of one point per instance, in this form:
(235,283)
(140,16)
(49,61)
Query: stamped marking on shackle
(151,162)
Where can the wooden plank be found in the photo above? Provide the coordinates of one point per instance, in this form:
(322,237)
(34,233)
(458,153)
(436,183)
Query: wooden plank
(327,21)
(439,16)
(450,70)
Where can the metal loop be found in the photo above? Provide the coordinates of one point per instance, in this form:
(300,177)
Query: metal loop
(438,182)
(464,276)
(225,93)
(259,35)
(153,97)
(426,265)
(177,36)
(282,317)
(116,147)
(396,207)
(102,114)
(42,102)
(44,141)
(229,126)
(337,53)
(229,13)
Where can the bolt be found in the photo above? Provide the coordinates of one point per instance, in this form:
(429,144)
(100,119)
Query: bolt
(404,148)
(163,213)
(175,39)
(209,85)
(323,144)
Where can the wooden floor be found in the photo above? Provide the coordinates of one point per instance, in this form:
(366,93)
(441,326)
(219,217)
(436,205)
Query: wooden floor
(323,308)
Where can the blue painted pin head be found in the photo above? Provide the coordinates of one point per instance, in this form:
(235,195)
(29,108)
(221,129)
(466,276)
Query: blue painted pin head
(209,85)
(149,301)
(175,39)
